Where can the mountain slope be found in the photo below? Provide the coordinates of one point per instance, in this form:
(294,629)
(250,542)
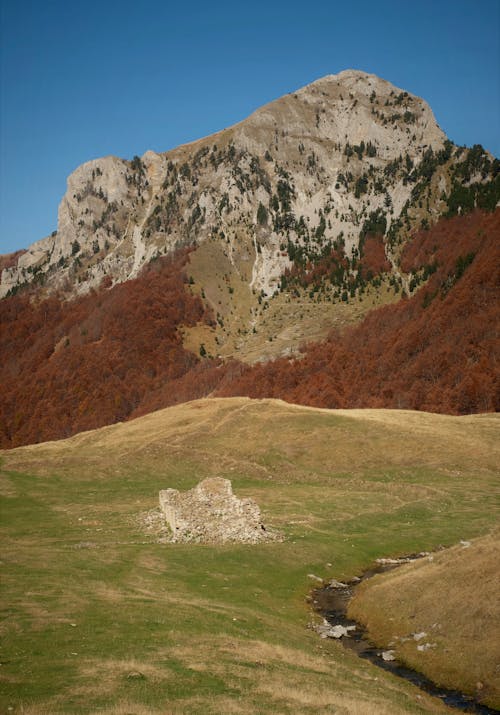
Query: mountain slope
(243,246)
(282,201)
(326,150)
(437,351)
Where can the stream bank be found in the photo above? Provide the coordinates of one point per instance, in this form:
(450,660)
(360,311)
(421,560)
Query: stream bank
(331,601)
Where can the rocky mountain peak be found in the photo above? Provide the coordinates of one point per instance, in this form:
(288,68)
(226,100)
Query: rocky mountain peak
(317,168)
(353,106)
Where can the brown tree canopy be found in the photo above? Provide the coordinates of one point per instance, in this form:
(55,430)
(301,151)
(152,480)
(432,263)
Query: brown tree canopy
(437,351)
(117,353)
(75,365)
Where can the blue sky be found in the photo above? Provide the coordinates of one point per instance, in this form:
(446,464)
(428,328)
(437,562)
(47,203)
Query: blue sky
(81,80)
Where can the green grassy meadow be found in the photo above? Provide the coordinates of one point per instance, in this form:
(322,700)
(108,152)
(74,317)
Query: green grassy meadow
(98,617)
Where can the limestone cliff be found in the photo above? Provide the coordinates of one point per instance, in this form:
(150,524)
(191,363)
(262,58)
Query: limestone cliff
(319,162)
(281,210)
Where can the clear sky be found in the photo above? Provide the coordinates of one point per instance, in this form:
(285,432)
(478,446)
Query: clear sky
(81,80)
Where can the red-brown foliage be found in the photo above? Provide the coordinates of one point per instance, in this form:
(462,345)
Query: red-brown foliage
(373,259)
(116,354)
(437,351)
(72,366)
(332,264)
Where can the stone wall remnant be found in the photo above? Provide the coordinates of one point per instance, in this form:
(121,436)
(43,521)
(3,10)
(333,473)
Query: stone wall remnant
(211,513)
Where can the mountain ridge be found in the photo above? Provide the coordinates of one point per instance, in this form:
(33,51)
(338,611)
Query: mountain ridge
(100,185)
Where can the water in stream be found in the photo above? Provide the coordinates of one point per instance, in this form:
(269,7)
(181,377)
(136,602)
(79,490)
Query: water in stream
(331,603)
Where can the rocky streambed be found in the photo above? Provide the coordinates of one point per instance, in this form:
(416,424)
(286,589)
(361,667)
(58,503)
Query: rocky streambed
(332,600)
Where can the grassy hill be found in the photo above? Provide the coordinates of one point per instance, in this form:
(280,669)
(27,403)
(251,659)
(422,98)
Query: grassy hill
(100,617)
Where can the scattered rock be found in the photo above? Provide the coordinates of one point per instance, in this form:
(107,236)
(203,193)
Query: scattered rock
(314,577)
(402,560)
(465,544)
(211,513)
(336,584)
(388,655)
(326,630)
(425,646)
(338,631)
(419,636)
(86,545)
(135,675)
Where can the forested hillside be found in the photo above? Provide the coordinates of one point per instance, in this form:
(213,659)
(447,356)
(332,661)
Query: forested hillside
(436,351)
(80,364)
(115,354)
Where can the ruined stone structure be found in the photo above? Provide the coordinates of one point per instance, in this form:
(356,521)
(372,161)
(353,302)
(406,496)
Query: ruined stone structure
(211,513)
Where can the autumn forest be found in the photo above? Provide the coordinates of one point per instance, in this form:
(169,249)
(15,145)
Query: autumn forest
(117,352)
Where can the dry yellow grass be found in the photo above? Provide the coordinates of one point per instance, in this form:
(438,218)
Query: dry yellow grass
(453,598)
(250,330)
(239,429)
(286,323)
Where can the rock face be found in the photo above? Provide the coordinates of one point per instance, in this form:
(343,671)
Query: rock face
(319,162)
(211,513)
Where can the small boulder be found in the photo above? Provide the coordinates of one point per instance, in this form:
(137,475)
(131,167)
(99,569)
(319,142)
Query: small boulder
(333,583)
(135,675)
(388,655)
(326,630)
(419,636)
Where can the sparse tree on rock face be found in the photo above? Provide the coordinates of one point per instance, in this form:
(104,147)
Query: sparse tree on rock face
(136,164)
(434,351)
(261,215)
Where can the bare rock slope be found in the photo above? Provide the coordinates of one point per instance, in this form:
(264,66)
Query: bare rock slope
(296,217)
(319,161)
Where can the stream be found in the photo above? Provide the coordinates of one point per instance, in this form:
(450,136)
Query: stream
(331,602)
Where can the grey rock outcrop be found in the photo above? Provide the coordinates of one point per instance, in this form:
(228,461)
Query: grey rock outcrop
(301,156)
(211,513)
